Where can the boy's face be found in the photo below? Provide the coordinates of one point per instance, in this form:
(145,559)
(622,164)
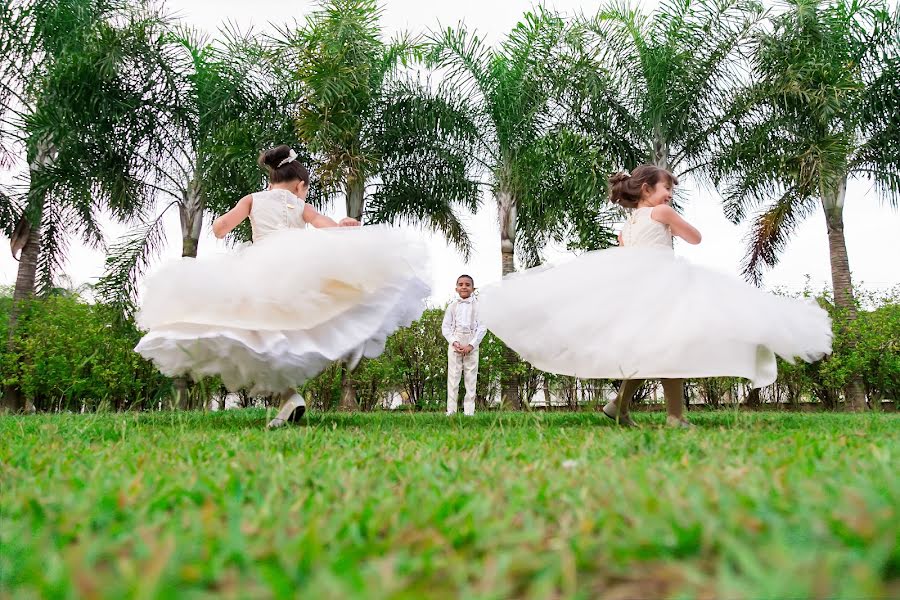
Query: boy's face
(464,287)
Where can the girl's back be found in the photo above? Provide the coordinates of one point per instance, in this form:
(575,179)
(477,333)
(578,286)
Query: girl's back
(642,230)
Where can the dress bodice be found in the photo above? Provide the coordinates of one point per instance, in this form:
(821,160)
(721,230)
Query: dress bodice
(642,230)
(274,210)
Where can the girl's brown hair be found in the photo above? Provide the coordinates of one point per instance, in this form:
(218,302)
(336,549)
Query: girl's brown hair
(626,189)
(289,171)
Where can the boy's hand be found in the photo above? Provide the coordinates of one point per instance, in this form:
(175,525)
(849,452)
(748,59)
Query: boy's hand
(457,347)
(468,349)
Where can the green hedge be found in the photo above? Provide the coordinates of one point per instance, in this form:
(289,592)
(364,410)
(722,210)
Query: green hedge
(73,355)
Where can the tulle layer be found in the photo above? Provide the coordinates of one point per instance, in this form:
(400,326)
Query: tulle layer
(278,312)
(629,313)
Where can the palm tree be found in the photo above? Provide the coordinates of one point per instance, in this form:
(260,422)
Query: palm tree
(379,138)
(385,141)
(82,86)
(671,76)
(545,172)
(824,109)
(230,108)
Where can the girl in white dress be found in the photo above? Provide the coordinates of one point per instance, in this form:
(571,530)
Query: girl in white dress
(639,312)
(278,312)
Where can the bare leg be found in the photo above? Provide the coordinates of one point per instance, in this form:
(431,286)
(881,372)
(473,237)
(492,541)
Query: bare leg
(674,393)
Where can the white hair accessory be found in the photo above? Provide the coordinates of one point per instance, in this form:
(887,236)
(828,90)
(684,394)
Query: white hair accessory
(292,156)
(626,172)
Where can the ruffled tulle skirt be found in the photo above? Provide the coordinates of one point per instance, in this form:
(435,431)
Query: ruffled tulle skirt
(630,313)
(278,312)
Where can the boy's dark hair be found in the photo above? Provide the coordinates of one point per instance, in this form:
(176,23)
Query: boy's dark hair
(469,277)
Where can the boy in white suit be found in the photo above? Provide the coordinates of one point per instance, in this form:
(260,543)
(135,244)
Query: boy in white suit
(464,333)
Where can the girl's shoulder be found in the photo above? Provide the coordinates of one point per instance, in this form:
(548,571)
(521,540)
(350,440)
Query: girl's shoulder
(662,213)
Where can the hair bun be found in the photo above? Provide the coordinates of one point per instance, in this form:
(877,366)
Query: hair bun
(272,158)
(620,177)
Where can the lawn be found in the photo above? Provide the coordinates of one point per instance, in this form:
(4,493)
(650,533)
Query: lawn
(539,505)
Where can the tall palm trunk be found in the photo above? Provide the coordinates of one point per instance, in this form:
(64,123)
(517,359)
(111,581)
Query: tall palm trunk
(506,206)
(660,149)
(348,390)
(190,210)
(833,203)
(13,399)
(355,191)
(27,237)
(27,272)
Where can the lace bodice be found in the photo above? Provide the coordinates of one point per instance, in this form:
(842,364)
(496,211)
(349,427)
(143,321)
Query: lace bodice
(274,210)
(641,230)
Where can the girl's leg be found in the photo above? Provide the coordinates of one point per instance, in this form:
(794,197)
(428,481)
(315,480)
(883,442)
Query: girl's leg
(291,401)
(673,389)
(619,408)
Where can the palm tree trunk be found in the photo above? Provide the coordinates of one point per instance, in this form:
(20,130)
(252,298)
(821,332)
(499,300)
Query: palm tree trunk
(27,272)
(506,206)
(348,391)
(660,149)
(833,203)
(355,192)
(190,211)
(13,399)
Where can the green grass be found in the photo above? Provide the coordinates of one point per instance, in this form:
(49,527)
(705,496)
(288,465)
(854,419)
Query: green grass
(413,506)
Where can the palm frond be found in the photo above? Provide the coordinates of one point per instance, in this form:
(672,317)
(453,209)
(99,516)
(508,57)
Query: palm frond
(463,58)
(771,231)
(878,156)
(560,183)
(428,146)
(676,71)
(126,263)
(54,247)
(10,210)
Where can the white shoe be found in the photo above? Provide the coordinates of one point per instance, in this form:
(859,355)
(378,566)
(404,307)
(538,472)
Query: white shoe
(612,411)
(291,410)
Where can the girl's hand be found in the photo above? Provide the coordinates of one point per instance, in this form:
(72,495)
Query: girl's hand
(348,222)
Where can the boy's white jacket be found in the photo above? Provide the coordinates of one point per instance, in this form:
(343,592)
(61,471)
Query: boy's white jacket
(464,314)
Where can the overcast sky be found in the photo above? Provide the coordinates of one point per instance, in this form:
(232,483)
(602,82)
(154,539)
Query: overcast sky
(872,229)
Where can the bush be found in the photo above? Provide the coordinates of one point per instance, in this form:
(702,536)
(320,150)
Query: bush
(71,355)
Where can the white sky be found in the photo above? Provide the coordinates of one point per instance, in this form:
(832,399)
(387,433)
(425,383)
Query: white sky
(872,229)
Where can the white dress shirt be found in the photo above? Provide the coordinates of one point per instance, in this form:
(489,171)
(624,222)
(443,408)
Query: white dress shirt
(461,314)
